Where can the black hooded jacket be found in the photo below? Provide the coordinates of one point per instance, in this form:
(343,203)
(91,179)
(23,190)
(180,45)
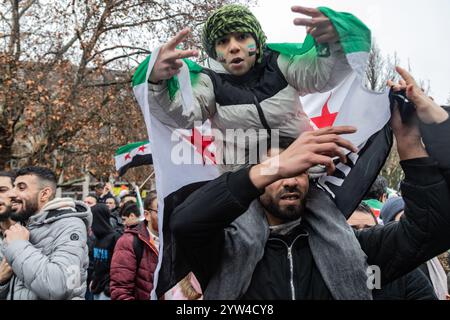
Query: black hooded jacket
(101,255)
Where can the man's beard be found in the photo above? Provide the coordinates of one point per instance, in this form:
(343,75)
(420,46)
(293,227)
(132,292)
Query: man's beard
(6,214)
(31,207)
(287,213)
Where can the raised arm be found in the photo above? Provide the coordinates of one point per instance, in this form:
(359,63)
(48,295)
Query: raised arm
(325,65)
(400,247)
(199,222)
(164,90)
(434,124)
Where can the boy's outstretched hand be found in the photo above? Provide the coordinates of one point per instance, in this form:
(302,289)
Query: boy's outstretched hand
(169,61)
(318,26)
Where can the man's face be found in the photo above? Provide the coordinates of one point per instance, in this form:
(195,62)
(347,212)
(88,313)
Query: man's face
(130,220)
(126,199)
(5,202)
(154,214)
(236,52)
(98,191)
(361,220)
(110,203)
(284,199)
(90,201)
(24,197)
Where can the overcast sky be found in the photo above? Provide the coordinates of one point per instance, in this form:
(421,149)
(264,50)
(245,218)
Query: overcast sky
(418,31)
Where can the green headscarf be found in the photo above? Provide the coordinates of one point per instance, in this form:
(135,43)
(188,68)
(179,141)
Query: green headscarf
(228,19)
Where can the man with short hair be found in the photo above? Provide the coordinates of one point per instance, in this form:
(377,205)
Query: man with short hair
(6,184)
(135,256)
(48,252)
(130,214)
(103,191)
(90,200)
(131,197)
(284,256)
(362,218)
(377,195)
(111,203)
(151,216)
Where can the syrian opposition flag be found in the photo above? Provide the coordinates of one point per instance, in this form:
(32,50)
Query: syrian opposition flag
(133,155)
(177,174)
(350,104)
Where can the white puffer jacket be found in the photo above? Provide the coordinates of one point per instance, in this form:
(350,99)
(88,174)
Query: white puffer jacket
(53,264)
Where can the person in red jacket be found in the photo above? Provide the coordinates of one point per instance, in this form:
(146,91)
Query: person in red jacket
(135,258)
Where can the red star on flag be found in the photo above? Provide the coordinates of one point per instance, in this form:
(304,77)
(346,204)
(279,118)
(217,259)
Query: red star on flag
(128,157)
(326,119)
(142,148)
(201,143)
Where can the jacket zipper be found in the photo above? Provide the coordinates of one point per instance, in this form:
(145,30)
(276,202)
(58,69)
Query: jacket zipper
(291,262)
(13,283)
(262,117)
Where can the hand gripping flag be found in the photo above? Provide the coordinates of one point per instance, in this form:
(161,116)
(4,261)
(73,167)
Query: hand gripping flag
(348,104)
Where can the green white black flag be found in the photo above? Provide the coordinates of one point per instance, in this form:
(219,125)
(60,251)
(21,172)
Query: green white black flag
(133,155)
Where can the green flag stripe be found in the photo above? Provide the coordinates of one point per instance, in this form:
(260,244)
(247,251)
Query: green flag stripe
(129,147)
(141,72)
(172,84)
(346,24)
(293,49)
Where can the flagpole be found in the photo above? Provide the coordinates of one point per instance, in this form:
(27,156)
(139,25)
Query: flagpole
(139,199)
(146,180)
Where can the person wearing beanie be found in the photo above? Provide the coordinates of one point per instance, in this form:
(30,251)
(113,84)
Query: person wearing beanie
(392,209)
(255,85)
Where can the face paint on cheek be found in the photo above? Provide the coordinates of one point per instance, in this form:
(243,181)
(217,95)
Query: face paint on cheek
(220,57)
(251,49)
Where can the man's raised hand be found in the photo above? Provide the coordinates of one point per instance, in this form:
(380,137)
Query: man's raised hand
(428,111)
(169,61)
(318,26)
(312,148)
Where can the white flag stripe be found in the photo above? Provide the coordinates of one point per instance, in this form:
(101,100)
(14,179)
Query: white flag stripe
(357,106)
(169,176)
(125,158)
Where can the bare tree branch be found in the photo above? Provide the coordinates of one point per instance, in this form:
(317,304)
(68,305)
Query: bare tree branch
(127,55)
(129,25)
(26,7)
(106,84)
(119,47)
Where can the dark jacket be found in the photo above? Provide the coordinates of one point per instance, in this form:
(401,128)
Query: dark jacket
(129,281)
(412,286)
(116,221)
(105,240)
(397,248)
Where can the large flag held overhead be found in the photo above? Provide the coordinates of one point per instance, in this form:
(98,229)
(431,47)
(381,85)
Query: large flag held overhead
(350,104)
(133,155)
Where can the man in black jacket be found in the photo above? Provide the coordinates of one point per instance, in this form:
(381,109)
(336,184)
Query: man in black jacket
(413,286)
(294,263)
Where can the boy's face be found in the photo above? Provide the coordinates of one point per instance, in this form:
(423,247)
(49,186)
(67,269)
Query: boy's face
(236,52)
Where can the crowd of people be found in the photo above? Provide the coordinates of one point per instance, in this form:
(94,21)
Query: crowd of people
(284,234)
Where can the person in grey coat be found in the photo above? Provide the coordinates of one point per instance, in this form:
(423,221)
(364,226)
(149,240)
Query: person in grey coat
(47,250)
